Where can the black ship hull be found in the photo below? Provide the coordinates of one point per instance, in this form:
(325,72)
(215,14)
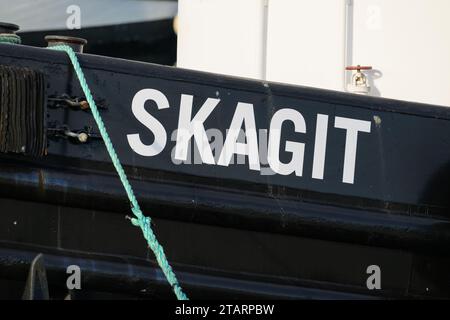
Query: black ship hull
(229,230)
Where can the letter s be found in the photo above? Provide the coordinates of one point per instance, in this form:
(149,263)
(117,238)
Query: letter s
(149,121)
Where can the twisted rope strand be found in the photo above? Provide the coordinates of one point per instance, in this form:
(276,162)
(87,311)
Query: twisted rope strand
(140,220)
(10,38)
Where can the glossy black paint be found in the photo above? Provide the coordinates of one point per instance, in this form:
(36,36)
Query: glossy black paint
(210,261)
(401,165)
(232,219)
(60,181)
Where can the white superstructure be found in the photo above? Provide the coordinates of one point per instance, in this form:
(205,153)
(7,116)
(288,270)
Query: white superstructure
(407,42)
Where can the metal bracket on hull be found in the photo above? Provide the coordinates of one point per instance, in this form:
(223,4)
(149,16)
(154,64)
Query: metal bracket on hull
(36,287)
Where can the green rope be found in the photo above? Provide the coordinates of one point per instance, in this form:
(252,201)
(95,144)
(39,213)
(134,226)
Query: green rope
(10,38)
(140,220)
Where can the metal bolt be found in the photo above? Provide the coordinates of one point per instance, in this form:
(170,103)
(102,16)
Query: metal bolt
(83,137)
(84,105)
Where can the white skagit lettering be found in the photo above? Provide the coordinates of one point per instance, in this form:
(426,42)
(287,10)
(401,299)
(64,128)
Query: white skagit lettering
(296,149)
(353,126)
(320,146)
(138,109)
(243,117)
(284,156)
(194,127)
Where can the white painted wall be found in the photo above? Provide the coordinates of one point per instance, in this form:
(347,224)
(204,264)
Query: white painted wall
(222,36)
(408,41)
(304,42)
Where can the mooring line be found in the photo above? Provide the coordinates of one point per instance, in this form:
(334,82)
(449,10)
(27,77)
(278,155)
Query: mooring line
(140,220)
